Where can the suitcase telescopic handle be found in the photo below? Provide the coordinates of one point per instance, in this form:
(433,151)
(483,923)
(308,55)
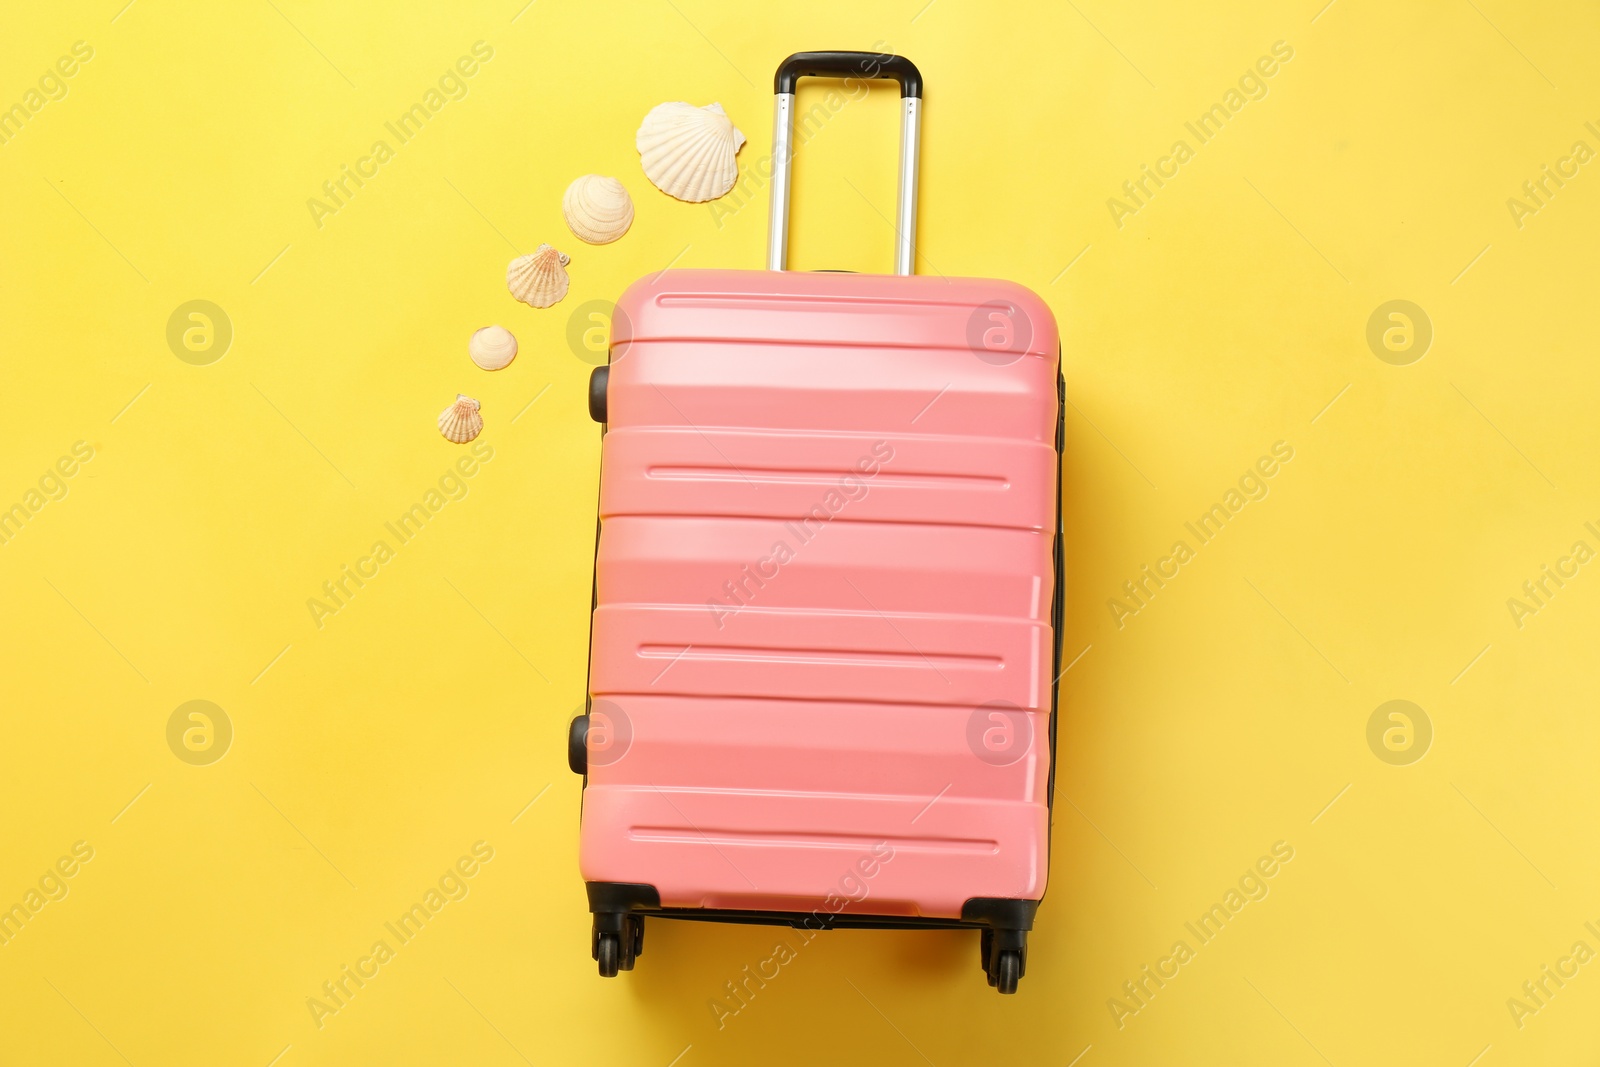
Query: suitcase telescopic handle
(845,65)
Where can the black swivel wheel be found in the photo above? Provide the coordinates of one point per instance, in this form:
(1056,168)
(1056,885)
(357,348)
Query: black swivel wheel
(1007,971)
(632,935)
(608,954)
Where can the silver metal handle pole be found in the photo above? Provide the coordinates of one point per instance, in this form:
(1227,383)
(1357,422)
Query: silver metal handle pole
(846,64)
(782,153)
(905,248)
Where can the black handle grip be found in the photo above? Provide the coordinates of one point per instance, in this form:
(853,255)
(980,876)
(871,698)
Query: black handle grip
(848,65)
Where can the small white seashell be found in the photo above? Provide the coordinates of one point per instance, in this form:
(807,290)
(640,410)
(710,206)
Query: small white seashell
(539,279)
(492,348)
(598,209)
(688,151)
(461,422)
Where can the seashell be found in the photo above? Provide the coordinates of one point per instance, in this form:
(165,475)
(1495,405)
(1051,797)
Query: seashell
(539,279)
(492,348)
(597,209)
(461,422)
(688,151)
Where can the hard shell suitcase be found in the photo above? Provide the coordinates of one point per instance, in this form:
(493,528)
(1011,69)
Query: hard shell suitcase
(823,666)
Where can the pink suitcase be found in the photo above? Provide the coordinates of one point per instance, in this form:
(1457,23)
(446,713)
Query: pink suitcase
(822,677)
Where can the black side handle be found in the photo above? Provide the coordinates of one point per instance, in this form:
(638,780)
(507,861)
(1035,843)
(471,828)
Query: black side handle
(848,65)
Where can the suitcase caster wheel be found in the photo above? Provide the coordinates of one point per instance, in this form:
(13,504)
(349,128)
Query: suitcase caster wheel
(1007,972)
(597,392)
(632,941)
(578,745)
(608,954)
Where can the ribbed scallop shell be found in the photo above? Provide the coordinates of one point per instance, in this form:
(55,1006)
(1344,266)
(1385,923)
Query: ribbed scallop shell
(540,279)
(492,347)
(688,152)
(597,209)
(461,421)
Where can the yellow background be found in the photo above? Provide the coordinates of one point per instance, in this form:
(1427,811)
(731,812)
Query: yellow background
(1226,315)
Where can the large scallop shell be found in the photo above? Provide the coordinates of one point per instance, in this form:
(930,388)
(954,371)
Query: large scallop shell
(461,421)
(688,151)
(598,209)
(539,279)
(492,347)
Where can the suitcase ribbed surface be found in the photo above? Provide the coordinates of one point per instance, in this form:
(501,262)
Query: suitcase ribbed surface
(824,578)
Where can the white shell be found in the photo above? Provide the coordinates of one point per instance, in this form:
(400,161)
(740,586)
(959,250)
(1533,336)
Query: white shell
(688,151)
(539,279)
(492,347)
(597,209)
(461,421)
